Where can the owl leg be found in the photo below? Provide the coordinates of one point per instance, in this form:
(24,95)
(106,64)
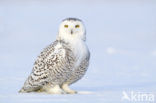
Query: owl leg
(53,90)
(66,88)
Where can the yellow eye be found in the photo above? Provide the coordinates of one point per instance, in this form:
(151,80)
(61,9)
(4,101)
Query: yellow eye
(66,26)
(77,26)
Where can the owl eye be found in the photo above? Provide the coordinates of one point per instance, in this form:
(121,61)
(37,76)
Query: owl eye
(77,26)
(66,26)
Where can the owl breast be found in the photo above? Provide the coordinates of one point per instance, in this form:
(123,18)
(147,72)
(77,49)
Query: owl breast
(80,50)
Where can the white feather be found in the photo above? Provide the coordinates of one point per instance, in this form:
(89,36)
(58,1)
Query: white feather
(80,50)
(76,40)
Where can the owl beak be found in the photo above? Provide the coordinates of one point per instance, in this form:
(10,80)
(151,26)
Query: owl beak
(71,31)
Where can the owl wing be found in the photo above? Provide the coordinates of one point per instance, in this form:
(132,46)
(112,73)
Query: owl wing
(51,62)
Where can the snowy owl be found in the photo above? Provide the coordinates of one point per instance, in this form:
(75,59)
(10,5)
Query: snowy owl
(62,63)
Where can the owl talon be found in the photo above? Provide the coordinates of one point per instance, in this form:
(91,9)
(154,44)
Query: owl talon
(66,88)
(71,92)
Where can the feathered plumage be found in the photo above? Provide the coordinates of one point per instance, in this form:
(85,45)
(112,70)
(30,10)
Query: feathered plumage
(60,64)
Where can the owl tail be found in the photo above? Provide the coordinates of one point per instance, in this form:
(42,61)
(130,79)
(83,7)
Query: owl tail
(22,91)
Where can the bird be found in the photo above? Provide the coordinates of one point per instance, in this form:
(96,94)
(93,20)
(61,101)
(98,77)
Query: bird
(62,63)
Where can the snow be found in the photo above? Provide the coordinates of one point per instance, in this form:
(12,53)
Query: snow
(121,37)
(153,53)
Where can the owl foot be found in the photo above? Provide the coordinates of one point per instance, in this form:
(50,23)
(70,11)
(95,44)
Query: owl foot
(66,88)
(54,90)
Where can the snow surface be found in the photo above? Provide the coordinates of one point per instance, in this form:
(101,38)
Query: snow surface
(121,36)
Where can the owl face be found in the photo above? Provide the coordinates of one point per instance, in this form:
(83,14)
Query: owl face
(72,28)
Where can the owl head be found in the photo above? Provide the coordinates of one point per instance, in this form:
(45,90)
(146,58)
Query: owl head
(72,29)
